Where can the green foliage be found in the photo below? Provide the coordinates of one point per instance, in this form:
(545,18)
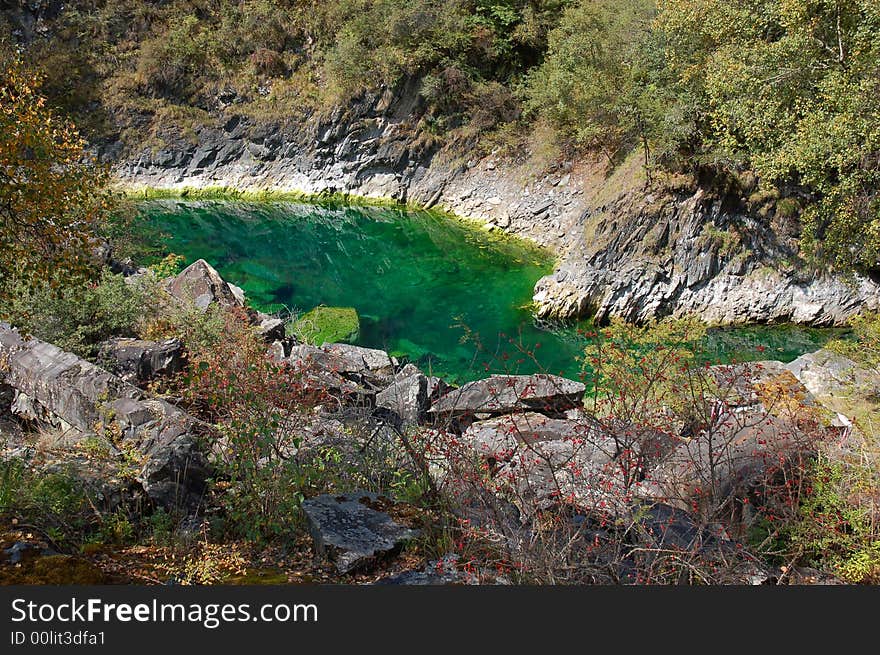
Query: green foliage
(865,349)
(53,501)
(837,526)
(642,367)
(792,90)
(603,82)
(52,202)
(258,407)
(78,317)
(116,528)
(169,266)
(198,330)
(327,325)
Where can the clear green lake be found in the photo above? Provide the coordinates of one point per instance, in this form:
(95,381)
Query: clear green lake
(450,297)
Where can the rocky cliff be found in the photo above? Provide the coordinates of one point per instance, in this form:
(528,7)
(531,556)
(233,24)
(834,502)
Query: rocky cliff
(622,250)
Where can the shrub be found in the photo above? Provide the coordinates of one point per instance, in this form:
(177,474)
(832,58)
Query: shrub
(865,349)
(268,63)
(838,525)
(258,407)
(51,193)
(54,502)
(78,318)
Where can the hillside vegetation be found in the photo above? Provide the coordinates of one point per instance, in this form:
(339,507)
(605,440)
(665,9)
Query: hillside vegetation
(744,473)
(775,99)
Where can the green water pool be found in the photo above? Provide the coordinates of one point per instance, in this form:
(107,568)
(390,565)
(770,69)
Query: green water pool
(451,298)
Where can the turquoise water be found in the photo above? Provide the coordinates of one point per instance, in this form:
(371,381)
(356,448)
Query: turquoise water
(450,298)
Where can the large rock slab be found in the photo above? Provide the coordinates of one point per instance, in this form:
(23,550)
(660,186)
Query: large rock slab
(351,533)
(356,359)
(536,462)
(138,361)
(69,387)
(409,395)
(736,452)
(826,373)
(62,388)
(761,382)
(406,399)
(344,359)
(200,285)
(504,394)
(501,437)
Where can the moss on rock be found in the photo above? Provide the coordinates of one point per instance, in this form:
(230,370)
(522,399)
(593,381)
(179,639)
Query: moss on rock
(327,325)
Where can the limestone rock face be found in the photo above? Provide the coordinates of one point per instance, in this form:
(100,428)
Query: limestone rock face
(691,256)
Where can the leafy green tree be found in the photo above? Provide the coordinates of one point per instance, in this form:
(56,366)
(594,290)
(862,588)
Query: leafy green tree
(791,89)
(51,199)
(602,82)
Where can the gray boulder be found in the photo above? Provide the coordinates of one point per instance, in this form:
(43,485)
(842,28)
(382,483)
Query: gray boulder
(444,571)
(356,359)
(826,373)
(84,399)
(406,398)
(752,383)
(344,359)
(67,386)
(504,394)
(499,438)
(275,351)
(736,452)
(136,360)
(200,285)
(409,397)
(350,532)
(270,328)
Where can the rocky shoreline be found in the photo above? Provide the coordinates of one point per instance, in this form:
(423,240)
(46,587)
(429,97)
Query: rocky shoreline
(534,433)
(622,251)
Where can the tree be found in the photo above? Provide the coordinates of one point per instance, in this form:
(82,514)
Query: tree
(51,199)
(792,90)
(603,81)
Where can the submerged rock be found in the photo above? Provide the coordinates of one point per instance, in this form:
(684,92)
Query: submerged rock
(350,533)
(327,325)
